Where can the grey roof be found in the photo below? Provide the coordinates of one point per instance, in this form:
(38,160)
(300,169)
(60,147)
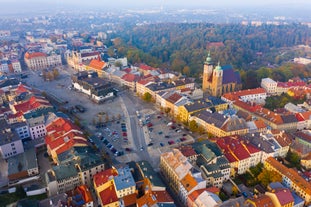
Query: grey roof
(160,86)
(22,162)
(264,143)
(234,123)
(276,185)
(233,202)
(198,105)
(215,100)
(6,134)
(289,118)
(149,172)
(124,179)
(9,82)
(212,118)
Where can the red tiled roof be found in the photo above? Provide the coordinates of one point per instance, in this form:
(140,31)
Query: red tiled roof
(163,196)
(32,104)
(174,98)
(34,55)
(127,70)
(130,77)
(146,67)
(130,199)
(234,149)
(104,176)
(262,201)
(187,150)
(87,54)
(306,115)
(108,195)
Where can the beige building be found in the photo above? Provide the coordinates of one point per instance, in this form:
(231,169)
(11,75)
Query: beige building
(39,60)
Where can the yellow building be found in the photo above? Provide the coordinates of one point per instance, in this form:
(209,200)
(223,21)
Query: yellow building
(290,178)
(219,80)
(281,197)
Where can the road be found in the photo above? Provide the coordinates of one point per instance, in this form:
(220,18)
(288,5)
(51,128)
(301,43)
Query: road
(138,135)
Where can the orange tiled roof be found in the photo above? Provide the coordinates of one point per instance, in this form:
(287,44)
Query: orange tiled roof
(86,194)
(291,174)
(189,182)
(173,98)
(260,124)
(262,201)
(146,200)
(97,64)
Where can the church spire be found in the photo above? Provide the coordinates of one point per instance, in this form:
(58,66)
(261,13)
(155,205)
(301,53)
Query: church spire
(208,60)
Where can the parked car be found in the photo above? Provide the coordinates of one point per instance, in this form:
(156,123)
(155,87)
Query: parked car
(80,108)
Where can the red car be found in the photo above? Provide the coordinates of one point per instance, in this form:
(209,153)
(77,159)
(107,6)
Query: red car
(149,125)
(182,139)
(124,134)
(171,142)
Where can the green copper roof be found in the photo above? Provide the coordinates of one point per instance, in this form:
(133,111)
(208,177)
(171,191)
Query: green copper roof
(208,59)
(218,67)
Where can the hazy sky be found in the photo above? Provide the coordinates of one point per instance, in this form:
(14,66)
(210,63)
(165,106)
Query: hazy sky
(124,3)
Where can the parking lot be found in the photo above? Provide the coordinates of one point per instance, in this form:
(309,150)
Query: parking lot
(109,122)
(161,131)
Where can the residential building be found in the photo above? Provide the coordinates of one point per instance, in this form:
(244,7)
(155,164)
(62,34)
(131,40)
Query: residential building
(260,201)
(62,178)
(219,125)
(269,85)
(281,197)
(290,178)
(215,168)
(240,155)
(96,88)
(220,80)
(23,165)
(62,135)
(87,161)
(40,60)
(176,170)
(203,199)
(10,143)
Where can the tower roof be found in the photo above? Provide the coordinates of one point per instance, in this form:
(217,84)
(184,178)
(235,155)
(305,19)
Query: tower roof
(208,60)
(218,67)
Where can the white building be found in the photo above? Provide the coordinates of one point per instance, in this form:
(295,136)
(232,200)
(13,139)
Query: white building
(269,85)
(16,65)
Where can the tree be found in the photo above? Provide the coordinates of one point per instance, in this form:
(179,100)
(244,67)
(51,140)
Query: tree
(55,73)
(235,190)
(193,126)
(268,176)
(293,158)
(147,97)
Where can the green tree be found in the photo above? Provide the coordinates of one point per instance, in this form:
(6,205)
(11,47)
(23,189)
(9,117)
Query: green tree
(193,126)
(293,158)
(147,97)
(268,176)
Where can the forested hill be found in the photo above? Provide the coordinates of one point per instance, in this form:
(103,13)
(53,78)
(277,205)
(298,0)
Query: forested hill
(183,47)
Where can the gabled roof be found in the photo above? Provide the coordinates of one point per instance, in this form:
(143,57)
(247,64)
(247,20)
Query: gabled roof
(173,98)
(34,55)
(97,64)
(101,178)
(108,195)
(284,196)
(189,182)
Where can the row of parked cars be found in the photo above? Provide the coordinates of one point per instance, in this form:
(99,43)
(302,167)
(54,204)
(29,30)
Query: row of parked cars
(111,147)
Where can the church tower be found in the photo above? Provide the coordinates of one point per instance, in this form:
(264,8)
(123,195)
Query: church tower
(217,81)
(207,72)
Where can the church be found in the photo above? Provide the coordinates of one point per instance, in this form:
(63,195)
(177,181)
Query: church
(220,80)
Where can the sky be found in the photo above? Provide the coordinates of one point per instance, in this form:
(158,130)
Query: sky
(131,3)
